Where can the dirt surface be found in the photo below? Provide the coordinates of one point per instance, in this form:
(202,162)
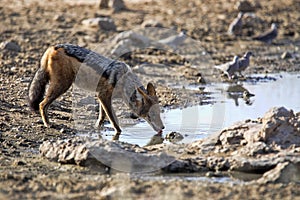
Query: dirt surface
(35,25)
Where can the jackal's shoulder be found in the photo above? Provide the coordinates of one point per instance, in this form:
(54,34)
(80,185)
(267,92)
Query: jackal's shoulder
(84,55)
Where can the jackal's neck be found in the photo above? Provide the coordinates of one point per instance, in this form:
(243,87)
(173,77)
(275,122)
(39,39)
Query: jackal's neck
(130,95)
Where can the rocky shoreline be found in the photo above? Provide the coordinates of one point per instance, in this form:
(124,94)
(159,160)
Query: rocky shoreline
(269,146)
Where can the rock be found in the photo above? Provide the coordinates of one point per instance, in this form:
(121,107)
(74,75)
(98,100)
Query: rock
(11,46)
(66,152)
(174,41)
(254,146)
(217,163)
(286,55)
(107,24)
(92,22)
(123,47)
(118,5)
(88,100)
(183,166)
(244,6)
(132,115)
(214,174)
(117,155)
(139,69)
(174,137)
(103,4)
(128,41)
(151,23)
(132,36)
(253,165)
(18,163)
(285,172)
(278,126)
(59,18)
(103,23)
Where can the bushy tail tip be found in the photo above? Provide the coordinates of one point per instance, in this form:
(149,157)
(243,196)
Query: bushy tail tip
(37,89)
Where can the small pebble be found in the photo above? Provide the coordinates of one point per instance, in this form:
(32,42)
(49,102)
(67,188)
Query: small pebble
(151,23)
(12,46)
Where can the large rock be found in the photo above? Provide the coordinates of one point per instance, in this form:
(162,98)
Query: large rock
(103,23)
(117,155)
(279,126)
(128,41)
(284,172)
(67,152)
(269,145)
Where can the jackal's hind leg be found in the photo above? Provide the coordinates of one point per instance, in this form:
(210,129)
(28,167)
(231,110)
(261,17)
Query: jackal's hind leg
(101,117)
(43,107)
(53,92)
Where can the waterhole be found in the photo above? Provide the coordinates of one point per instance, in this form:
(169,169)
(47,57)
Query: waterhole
(232,102)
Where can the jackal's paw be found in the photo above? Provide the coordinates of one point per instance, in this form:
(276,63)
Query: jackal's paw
(47,125)
(116,136)
(98,124)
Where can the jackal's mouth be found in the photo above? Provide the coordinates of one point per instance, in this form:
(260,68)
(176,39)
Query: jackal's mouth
(159,130)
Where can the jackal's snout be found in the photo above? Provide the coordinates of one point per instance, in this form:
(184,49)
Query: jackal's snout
(154,118)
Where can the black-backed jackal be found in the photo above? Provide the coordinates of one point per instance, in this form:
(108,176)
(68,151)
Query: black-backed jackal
(63,64)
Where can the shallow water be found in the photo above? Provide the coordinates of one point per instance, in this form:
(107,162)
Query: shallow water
(231,178)
(190,177)
(199,121)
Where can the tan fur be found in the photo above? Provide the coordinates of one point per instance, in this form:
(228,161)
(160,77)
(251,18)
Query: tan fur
(61,70)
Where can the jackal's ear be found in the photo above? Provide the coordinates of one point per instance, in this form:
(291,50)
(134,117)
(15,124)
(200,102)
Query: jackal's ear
(151,90)
(142,93)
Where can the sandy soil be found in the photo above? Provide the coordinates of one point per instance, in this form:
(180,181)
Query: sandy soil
(35,25)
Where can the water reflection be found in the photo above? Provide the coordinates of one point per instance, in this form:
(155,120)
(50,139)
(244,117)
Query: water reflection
(237,92)
(155,139)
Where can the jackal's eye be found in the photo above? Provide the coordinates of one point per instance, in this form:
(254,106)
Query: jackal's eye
(144,111)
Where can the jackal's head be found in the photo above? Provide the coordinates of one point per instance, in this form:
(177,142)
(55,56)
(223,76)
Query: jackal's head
(148,108)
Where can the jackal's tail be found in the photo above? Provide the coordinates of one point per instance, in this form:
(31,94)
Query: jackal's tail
(37,88)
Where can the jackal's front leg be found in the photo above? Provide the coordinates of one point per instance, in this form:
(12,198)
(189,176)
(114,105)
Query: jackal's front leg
(107,107)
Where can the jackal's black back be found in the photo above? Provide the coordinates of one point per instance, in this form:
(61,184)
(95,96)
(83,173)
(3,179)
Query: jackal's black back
(105,67)
(86,56)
